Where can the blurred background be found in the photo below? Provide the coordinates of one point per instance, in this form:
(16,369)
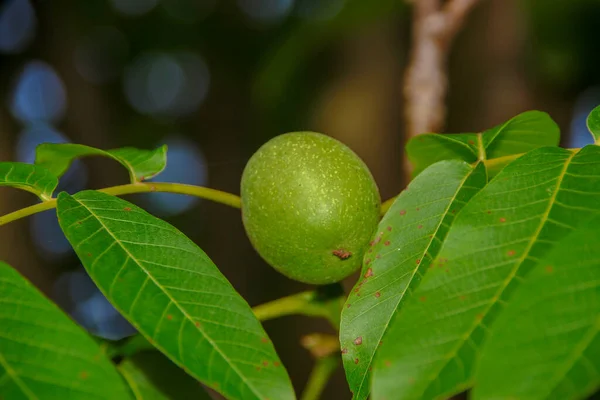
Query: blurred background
(214,79)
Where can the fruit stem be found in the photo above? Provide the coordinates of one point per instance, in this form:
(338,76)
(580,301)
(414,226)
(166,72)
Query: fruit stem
(322,371)
(139,187)
(309,303)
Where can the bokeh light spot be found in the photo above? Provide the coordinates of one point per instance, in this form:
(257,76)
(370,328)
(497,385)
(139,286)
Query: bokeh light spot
(17,25)
(39,94)
(580,135)
(50,242)
(186,164)
(88,306)
(33,135)
(266,11)
(163,84)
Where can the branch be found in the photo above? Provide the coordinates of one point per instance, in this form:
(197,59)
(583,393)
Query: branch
(434,28)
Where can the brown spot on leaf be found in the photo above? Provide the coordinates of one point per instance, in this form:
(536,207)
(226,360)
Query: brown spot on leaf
(387,363)
(348,305)
(471,142)
(356,361)
(358,341)
(127,209)
(197,324)
(265,363)
(377,294)
(89,254)
(264,340)
(344,350)
(420,226)
(389,228)
(169,317)
(368,261)
(153,188)
(387,243)
(479,317)
(258,368)
(549,269)
(489,212)
(369,273)
(511,253)
(418,261)
(276,363)
(462,297)
(502,219)
(422,298)
(402,212)
(378,256)
(83,375)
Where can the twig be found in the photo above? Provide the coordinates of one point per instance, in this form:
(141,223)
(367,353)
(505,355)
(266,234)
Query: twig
(435,24)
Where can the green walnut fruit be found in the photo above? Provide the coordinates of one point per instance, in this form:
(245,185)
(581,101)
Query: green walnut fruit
(310,206)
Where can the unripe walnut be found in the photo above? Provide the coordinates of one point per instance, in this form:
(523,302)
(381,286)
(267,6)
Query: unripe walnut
(310,206)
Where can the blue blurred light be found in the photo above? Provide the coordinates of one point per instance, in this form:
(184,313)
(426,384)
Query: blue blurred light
(17,25)
(319,10)
(88,306)
(266,11)
(133,7)
(100,56)
(580,135)
(39,94)
(49,239)
(167,84)
(33,135)
(186,164)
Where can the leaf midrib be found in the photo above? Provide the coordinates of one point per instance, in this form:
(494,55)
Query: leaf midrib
(420,267)
(11,372)
(186,315)
(513,273)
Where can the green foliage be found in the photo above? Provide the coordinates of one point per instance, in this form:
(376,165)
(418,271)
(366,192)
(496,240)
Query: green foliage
(141,164)
(483,275)
(593,123)
(151,376)
(173,294)
(407,239)
(45,355)
(32,178)
(432,346)
(525,132)
(552,326)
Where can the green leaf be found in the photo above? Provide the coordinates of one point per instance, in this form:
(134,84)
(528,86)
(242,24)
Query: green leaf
(152,376)
(525,132)
(141,164)
(408,238)
(432,345)
(174,295)
(29,177)
(427,149)
(45,355)
(593,123)
(546,344)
